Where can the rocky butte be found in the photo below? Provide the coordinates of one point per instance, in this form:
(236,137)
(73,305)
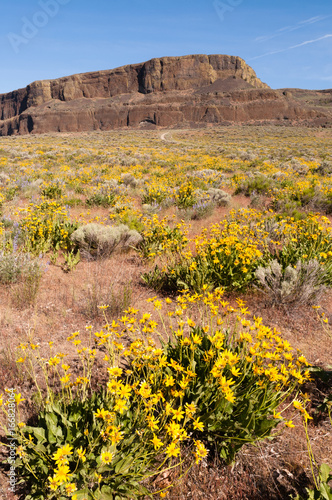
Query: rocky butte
(186,91)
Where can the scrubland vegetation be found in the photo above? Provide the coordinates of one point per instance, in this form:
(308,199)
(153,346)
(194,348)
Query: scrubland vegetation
(165,309)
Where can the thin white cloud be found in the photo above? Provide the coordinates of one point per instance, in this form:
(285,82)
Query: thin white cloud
(289,29)
(312,20)
(285,28)
(324,37)
(310,41)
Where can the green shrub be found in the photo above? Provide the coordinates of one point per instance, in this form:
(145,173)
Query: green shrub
(227,258)
(131,220)
(154,194)
(288,209)
(306,240)
(256,185)
(104,197)
(186,196)
(11,192)
(73,202)
(159,237)
(46,226)
(212,385)
(52,191)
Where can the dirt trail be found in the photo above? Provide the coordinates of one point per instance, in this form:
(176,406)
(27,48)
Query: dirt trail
(163,137)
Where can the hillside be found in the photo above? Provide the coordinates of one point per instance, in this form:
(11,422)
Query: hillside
(171,91)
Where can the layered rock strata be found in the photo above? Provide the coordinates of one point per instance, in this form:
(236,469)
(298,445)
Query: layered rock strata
(166,92)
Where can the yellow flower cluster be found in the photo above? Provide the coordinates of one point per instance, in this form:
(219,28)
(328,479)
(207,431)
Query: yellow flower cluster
(44,224)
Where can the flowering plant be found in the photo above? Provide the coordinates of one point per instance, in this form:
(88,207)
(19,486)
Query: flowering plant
(215,380)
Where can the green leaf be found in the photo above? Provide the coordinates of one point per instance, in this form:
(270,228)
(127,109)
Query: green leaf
(325,491)
(324,473)
(223,453)
(55,433)
(38,432)
(83,494)
(40,448)
(106,493)
(124,465)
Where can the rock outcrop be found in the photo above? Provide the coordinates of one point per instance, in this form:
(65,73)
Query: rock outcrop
(171,91)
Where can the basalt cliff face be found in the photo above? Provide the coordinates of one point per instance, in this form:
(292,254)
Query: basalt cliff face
(171,91)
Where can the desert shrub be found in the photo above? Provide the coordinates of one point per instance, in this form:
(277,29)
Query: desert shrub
(298,167)
(288,208)
(201,210)
(297,285)
(104,197)
(247,156)
(7,222)
(151,208)
(23,272)
(29,188)
(98,241)
(4,179)
(114,185)
(281,176)
(219,197)
(325,168)
(129,180)
(16,267)
(256,185)
(212,385)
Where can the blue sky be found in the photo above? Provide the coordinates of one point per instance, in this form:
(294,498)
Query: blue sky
(288,43)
